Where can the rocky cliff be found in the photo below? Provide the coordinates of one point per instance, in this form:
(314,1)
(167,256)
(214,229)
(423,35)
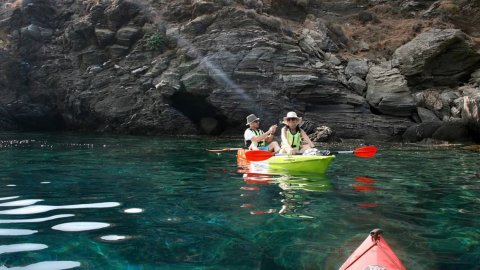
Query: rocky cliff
(367,69)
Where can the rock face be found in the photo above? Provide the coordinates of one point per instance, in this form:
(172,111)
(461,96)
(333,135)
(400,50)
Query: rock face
(199,67)
(437,58)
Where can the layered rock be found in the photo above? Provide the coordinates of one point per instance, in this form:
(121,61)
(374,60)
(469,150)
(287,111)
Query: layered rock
(199,67)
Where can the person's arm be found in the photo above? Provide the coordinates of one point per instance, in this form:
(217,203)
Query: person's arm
(264,136)
(306,139)
(285,144)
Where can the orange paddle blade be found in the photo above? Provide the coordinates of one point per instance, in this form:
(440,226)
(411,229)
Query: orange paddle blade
(366,151)
(258,155)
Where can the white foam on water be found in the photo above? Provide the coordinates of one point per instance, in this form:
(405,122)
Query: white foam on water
(80,226)
(113,237)
(21,247)
(21,202)
(11,185)
(8,198)
(5,232)
(50,265)
(133,210)
(34,220)
(35,209)
(45,182)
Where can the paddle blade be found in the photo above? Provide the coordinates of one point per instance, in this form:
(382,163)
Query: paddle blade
(258,155)
(366,151)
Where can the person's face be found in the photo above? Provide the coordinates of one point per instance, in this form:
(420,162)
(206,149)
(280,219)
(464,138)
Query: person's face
(292,122)
(256,123)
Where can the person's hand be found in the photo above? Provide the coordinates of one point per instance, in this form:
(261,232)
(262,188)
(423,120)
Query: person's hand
(273,128)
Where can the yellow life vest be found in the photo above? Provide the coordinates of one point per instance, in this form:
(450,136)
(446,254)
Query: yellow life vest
(294,139)
(258,132)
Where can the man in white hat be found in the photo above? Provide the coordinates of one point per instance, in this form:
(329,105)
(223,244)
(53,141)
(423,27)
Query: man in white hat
(294,139)
(256,139)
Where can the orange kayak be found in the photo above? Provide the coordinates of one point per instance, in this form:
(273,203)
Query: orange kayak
(373,253)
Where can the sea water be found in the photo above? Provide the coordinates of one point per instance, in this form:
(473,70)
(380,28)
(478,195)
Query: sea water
(132,202)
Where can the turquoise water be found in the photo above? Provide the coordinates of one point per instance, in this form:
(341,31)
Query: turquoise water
(126,202)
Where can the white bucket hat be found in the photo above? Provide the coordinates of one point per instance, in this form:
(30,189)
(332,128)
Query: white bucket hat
(252,117)
(292,115)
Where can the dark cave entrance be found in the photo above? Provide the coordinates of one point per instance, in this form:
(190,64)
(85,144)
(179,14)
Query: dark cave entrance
(200,112)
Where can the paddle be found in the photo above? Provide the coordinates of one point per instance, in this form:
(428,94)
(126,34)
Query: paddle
(363,152)
(223,150)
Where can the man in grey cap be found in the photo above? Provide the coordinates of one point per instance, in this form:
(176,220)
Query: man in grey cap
(256,139)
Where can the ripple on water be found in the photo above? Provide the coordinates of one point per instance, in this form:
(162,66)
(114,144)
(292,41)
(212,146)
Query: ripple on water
(34,220)
(50,265)
(21,247)
(133,210)
(80,226)
(20,202)
(8,198)
(113,237)
(45,208)
(13,232)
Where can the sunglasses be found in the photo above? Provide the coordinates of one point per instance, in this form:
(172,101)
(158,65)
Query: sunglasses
(256,121)
(291,119)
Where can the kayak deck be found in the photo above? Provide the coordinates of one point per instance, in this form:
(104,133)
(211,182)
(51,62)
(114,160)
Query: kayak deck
(373,253)
(289,163)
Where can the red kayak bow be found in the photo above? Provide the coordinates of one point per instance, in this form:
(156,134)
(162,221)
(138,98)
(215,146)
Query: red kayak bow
(373,253)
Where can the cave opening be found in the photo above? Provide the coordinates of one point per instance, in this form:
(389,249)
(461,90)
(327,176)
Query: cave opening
(205,116)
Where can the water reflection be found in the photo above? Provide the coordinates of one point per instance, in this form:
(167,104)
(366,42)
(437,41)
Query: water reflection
(292,194)
(365,184)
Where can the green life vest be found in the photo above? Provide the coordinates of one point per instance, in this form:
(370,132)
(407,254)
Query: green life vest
(257,132)
(294,139)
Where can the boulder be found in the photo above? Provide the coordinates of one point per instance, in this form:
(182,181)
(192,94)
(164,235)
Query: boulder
(202,7)
(126,36)
(357,67)
(357,84)
(80,35)
(418,132)
(452,131)
(388,92)
(475,77)
(105,37)
(438,57)
(323,134)
(35,32)
(427,115)
(121,12)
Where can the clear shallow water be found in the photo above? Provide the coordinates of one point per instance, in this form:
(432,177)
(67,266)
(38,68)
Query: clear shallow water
(108,202)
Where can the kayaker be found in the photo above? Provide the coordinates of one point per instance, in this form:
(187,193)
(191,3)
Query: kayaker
(256,139)
(294,139)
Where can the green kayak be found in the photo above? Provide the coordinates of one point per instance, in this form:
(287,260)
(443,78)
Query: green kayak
(298,163)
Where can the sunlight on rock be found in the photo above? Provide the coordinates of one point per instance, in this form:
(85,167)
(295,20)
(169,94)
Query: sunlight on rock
(80,226)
